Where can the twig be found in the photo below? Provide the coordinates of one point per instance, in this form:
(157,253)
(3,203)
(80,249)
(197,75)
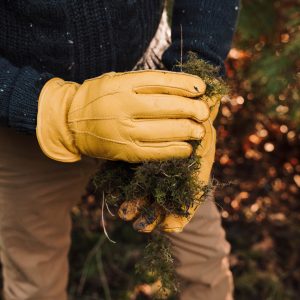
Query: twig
(103,220)
(102,275)
(109,211)
(84,274)
(181,47)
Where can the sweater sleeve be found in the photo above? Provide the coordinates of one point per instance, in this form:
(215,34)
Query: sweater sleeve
(19,92)
(206,27)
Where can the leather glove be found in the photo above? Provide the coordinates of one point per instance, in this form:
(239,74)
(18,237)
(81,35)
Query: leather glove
(130,210)
(134,116)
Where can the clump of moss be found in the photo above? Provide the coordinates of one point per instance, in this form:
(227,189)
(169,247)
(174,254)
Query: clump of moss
(170,187)
(160,271)
(113,179)
(215,85)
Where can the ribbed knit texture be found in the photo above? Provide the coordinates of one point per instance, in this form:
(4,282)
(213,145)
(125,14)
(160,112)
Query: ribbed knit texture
(206,27)
(80,39)
(110,35)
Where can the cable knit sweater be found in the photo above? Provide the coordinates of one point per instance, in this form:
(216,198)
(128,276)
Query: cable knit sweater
(80,39)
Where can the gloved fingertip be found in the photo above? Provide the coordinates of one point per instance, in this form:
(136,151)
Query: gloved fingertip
(122,213)
(173,223)
(127,211)
(172,230)
(144,228)
(139,225)
(146,225)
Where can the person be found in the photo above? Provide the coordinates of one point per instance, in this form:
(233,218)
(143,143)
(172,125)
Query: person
(61,101)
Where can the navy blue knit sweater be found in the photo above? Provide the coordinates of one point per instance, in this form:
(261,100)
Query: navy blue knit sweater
(80,39)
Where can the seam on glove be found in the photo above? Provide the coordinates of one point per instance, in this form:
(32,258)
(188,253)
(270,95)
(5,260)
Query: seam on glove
(170,116)
(140,87)
(100,119)
(173,139)
(92,101)
(157,71)
(98,137)
(162,144)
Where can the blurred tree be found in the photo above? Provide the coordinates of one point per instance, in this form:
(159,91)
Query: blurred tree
(269,35)
(259,151)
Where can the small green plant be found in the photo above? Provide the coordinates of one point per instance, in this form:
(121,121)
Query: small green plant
(170,187)
(161,271)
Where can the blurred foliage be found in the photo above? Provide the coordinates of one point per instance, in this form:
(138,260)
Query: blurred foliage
(269,35)
(258,152)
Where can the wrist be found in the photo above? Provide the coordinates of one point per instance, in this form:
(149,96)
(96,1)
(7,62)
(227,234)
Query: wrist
(53,134)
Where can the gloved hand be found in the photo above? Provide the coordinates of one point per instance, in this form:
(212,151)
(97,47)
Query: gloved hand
(133,116)
(130,210)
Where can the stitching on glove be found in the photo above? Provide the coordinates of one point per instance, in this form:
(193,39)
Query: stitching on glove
(173,139)
(104,118)
(162,144)
(99,137)
(170,116)
(135,89)
(157,71)
(92,101)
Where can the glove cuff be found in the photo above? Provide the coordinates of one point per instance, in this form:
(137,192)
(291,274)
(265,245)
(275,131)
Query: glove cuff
(53,134)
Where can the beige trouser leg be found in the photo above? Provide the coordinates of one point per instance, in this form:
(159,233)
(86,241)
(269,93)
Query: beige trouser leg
(202,254)
(36,195)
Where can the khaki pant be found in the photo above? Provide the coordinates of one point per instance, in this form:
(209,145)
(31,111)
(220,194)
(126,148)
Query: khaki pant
(36,196)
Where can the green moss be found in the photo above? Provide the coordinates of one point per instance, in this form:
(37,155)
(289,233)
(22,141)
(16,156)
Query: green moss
(113,179)
(158,264)
(215,85)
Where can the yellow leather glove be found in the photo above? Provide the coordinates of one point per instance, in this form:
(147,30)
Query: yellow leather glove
(133,116)
(172,223)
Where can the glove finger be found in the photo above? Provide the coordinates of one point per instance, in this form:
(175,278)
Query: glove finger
(147,222)
(164,82)
(167,130)
(169,107)
(148,151)
(214,105)
(129,210)
(208,143)
(175,223)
